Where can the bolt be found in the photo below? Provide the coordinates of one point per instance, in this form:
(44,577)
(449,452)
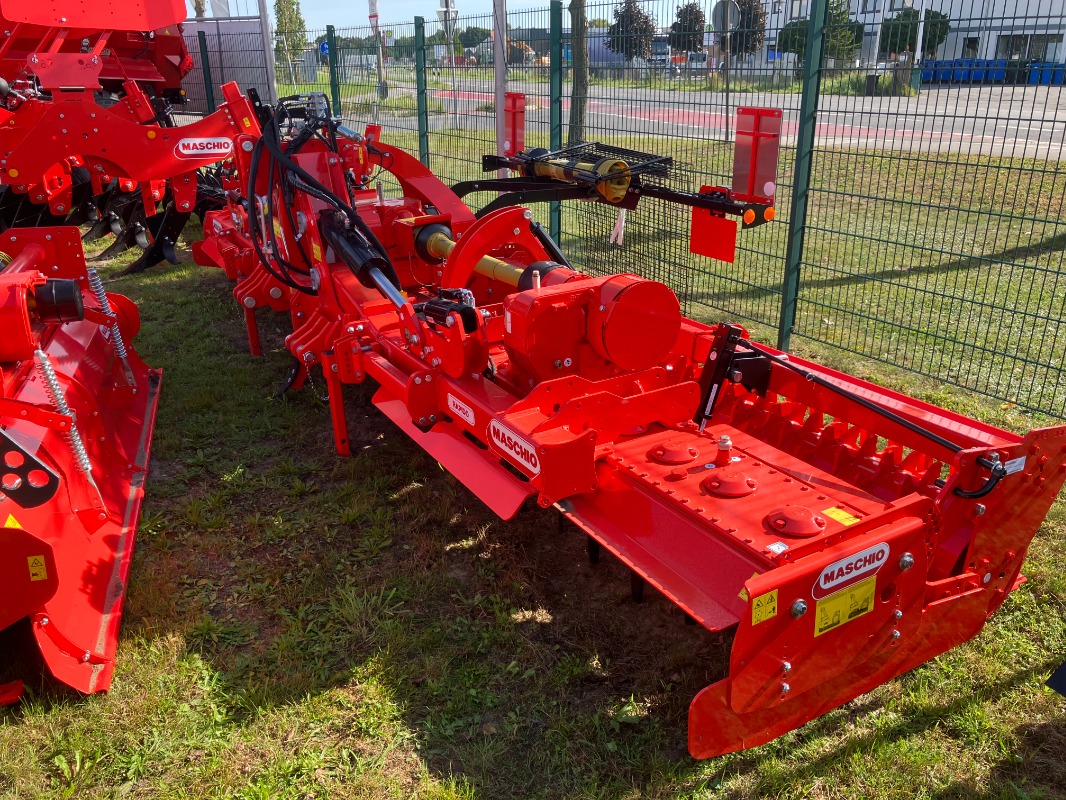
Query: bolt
(45,620)
(987,577)
(906,561)
(309,356)
(249,302)
(418,381)
(86,655)
(358,328)
(979,509)
(785,688)
(275,292)
(568,362)
(184,206)
(895,634)
(786,667)
(335,368)
(421,420)
(351,329)
(516,230)
(61,209)
(435,362)
(432,417)
(897,614)
(799,608)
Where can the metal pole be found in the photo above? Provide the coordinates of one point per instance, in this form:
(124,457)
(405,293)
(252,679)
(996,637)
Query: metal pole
(919,55)
(420,90)
(728,47)
(449,32)
(268,52)
(499,72)
(801,182)
(381,75)
(334,78)
(205,60)
(555,103)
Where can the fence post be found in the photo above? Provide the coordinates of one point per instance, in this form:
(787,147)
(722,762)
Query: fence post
(334,76)
(801,182)
(420,90)
(555,103)
(205,61)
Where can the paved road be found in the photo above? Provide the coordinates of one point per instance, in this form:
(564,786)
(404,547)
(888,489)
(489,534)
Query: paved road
(1019,121)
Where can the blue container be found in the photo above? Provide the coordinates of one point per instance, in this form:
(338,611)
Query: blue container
(1047,73)
(997,70)
(962,70)
(1034,74)
(943,70)
(1058,75)
(978,74)
(928,70)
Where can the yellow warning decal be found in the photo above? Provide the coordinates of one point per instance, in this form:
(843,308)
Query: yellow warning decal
(38,571)
(316,251)
(247,122)
(840,515)
(12,522)
(764,607)
(845,605)
(743,593)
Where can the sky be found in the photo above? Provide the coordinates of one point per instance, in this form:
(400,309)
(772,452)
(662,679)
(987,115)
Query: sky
(342,13)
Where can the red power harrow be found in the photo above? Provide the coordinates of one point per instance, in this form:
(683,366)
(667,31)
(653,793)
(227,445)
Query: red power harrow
(77,408)
(843,532)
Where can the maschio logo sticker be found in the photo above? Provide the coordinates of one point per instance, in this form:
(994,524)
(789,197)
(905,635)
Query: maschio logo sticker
(460,409)
(848,570)
(203,147)
(515,447)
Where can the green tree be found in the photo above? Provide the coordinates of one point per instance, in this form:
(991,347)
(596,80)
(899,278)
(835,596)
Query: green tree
(749,34)
(473,36)
(291,30)
(793,38)
(686,33)
(632,31)
(900,33)
(599,22)
(843,35)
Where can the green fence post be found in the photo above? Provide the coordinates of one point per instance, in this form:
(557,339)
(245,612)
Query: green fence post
(205,61)
(801,182)
(420,90)
(555,93)
(334,75)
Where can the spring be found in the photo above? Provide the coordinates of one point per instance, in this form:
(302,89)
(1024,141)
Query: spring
(97,286)
(59,400)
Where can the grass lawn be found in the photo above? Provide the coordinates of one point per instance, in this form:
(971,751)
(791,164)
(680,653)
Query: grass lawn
(300,625)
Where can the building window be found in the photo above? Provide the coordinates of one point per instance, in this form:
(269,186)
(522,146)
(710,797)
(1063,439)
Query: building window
(1045,47)
(970,46)
(870,6)
(800,9)
(777,6)
(899,5)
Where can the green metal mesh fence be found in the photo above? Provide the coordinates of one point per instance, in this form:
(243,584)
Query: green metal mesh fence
(932,231)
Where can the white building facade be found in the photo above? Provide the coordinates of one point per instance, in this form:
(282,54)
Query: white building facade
(1030,30)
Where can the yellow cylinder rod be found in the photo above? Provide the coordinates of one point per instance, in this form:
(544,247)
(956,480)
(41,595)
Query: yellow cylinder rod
(440,246)
(613,172)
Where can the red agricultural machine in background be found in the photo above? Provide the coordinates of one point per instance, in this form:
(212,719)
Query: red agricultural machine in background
(87,132)
(844,533)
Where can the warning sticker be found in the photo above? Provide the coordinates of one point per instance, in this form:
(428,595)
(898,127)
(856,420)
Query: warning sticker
(840,515)
(764,607)
(38,571)
(845,605)
(743,594)
(12,522)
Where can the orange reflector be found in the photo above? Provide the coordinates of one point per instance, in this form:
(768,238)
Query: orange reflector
(769,214)
(749,217)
